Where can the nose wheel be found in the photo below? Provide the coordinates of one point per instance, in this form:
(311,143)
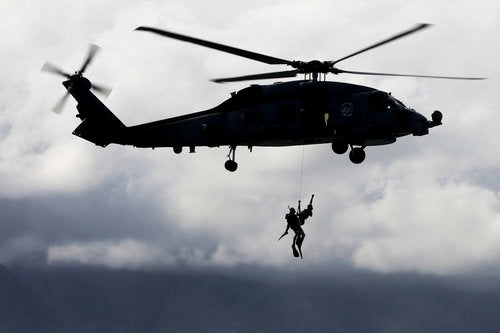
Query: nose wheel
(231,164)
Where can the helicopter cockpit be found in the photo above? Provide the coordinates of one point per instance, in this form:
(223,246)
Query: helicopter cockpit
(395,102)
(381,102)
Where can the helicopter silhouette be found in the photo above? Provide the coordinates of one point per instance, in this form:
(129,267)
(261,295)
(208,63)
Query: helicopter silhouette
(301,112)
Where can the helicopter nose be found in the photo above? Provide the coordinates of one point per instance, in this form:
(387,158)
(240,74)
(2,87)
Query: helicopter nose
(420,124)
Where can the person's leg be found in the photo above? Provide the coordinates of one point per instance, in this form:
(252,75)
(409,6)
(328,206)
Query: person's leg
(300,240)
(294,250)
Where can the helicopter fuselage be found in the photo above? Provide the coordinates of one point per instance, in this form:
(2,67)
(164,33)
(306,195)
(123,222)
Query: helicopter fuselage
(280,114)
(290,113)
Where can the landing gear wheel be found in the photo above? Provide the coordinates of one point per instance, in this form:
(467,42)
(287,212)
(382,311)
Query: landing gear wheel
(357,155)
(231,165)
(339,146)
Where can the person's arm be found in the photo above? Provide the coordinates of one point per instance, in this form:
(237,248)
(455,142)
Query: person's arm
(286,231)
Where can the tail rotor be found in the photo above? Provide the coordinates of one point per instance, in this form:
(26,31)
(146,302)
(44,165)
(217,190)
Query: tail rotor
(53,69)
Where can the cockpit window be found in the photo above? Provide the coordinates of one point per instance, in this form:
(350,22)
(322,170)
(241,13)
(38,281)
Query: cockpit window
(379,102)
(397,101)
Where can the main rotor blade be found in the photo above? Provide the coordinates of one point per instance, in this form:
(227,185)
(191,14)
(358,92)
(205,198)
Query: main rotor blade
(49,68)
(224,48)
(385,41)
(273,75)
(339,71)
(93,49)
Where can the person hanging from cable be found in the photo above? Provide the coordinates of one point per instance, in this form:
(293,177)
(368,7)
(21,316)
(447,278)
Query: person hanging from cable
(306,213)
(295,221)
(292,220)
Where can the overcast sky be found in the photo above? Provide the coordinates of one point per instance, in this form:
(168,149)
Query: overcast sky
(427,204)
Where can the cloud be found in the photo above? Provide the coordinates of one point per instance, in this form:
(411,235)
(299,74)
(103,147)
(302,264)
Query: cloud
(426,204)
(114,254)
(436,228)
(132,254)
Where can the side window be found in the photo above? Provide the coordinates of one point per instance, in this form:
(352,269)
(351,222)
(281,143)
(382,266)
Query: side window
(285,114)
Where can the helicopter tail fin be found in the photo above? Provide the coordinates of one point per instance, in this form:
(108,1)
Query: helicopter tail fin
(99,125)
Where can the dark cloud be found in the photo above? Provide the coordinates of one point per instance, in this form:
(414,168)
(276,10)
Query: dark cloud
(34,224)
(247,299)
(21,310)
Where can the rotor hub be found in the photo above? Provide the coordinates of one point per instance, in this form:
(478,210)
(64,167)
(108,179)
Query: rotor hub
(313,66)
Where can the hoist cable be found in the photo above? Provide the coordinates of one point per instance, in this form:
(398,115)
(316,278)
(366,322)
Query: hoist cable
(301,173)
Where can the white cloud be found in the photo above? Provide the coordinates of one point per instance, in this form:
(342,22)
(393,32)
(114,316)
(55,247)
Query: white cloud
(116,254)
(427,227)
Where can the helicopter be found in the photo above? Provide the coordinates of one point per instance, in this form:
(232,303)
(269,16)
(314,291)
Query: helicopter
(300,112)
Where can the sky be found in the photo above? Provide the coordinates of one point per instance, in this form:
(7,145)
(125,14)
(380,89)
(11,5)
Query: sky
(424,204)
